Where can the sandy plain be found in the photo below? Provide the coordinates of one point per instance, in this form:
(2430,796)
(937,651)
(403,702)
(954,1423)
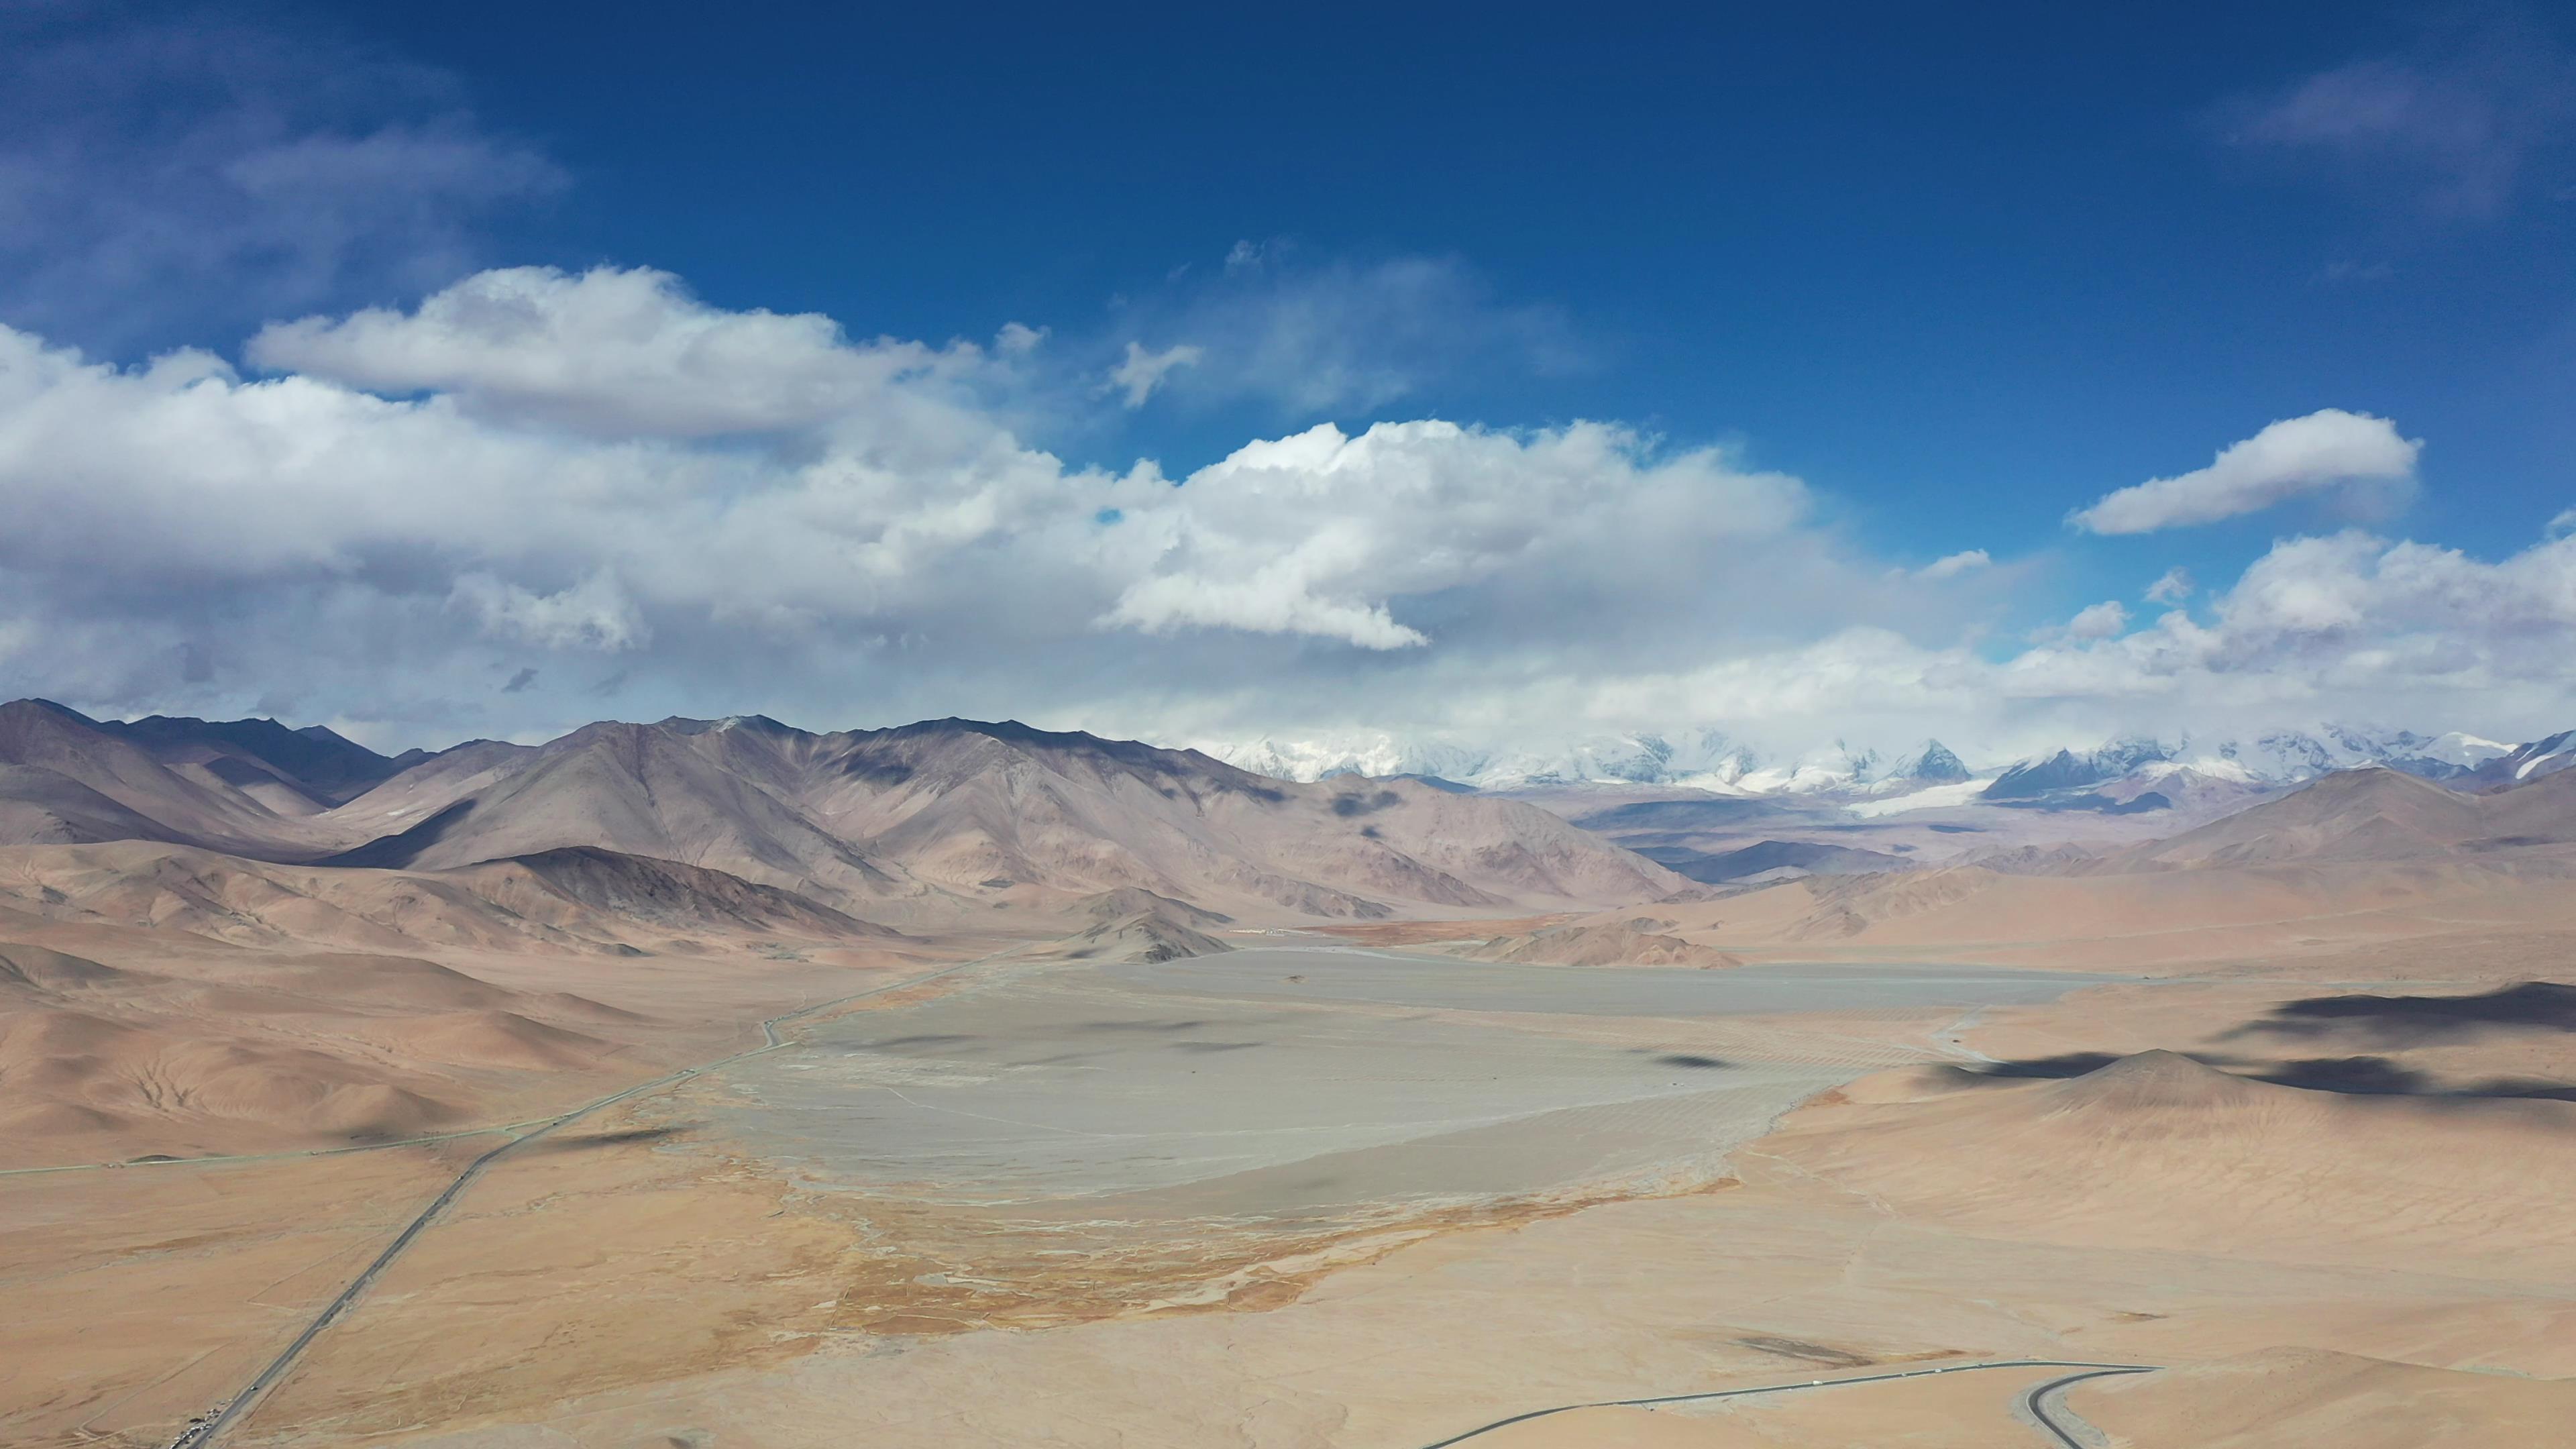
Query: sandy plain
(1312,1195)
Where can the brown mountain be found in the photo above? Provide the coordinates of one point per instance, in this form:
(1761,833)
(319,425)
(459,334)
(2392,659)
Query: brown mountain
(292,771)
(934,815)
(2375,815)
(67,779)
(920,821)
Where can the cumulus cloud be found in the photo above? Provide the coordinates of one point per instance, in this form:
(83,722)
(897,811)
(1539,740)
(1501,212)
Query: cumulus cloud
(167,171)
(2098,621)
(1310,534)
(2345,617)
(546,478)
(2361,456)
(2172,587)
(602,464)
(617,351)
(2348,625)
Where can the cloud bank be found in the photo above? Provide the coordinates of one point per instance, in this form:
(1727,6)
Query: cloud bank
(540,496)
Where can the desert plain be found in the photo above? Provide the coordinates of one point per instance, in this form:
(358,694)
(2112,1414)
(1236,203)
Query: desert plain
(712,1084)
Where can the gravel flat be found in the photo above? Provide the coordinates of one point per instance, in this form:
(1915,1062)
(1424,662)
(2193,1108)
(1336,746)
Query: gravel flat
(1294,1081)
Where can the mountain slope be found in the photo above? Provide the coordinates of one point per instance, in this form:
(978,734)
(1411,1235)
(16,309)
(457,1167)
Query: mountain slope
(934,816)
(262,757)
(2355,815)
(2536,760)
(52,745)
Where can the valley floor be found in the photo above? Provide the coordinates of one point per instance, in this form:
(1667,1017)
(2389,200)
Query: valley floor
(1305,1196)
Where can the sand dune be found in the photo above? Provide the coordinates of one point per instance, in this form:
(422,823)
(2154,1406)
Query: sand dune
(40,970)
(2311,1396)
(2157,1149)
(491,1038)
(2140,919)
(65,1072)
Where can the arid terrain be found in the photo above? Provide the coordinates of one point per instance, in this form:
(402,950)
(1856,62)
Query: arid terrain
(702,1084)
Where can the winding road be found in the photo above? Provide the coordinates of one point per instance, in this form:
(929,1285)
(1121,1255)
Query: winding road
(205,1432)
(2030,1401)
(2036,1402)
(230,1413)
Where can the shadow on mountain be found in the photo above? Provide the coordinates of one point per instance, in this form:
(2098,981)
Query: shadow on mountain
(393,852)
(2405,1021)
(2354,1076)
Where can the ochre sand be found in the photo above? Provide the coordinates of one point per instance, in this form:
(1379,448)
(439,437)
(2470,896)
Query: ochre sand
(2298,1257)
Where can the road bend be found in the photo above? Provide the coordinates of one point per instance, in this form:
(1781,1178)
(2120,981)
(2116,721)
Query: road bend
(229,1414)
(2036,1402)
(2094,1370)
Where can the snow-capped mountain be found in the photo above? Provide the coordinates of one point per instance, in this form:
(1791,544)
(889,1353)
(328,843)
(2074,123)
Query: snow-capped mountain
(1706,758)
(2069,770)
(1703,759)
(2529,762)
(2286,756)
(2122,770)
(1933,764)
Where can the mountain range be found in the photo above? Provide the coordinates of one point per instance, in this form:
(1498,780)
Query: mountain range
(933,823)
(925,821)
(1710,761)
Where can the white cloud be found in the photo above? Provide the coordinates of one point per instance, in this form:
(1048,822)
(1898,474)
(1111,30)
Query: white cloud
(2172,588)
(2330,449)
(1142,371)
(867,542)
(621,352)
(2343,626)
(1311,534)
(2390,627)
(559,462)
(2563,525)
(2098,621)
(1952,565)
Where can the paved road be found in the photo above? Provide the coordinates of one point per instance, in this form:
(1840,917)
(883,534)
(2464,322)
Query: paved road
(2095,1370)
(2036,1401)
(202,1434)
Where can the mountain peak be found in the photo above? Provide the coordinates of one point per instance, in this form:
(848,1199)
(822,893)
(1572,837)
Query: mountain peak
(32,708)
(1932,764)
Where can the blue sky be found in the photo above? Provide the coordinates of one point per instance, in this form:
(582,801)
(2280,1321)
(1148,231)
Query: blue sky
(1913,255)
(1959,272)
